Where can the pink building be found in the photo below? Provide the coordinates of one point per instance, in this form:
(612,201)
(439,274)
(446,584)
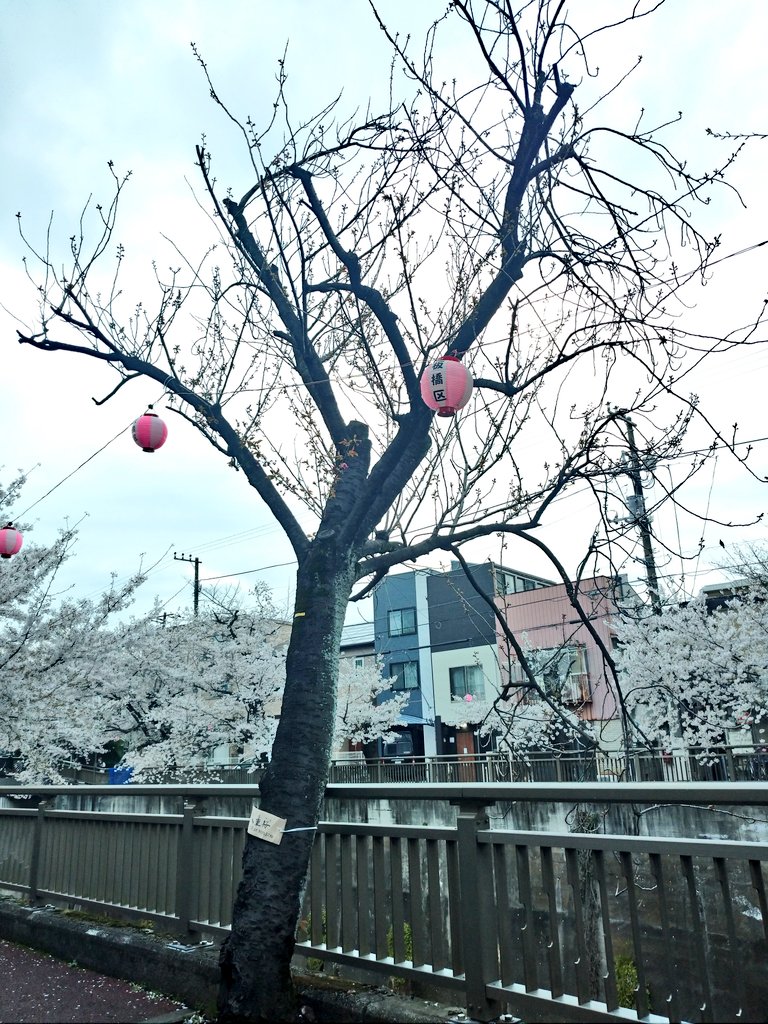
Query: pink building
(565,656)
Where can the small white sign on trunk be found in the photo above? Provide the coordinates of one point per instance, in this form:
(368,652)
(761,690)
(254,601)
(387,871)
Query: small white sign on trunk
(266,826)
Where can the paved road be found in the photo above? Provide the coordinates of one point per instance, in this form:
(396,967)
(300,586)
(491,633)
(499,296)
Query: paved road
(37,988)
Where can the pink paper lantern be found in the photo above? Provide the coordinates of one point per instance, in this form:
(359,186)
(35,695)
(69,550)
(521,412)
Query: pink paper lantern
(10,541)
(446,385)
(149,432)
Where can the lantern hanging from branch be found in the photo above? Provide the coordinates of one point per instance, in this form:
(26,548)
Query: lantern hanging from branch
(149,432)
(446,385)
(10,541)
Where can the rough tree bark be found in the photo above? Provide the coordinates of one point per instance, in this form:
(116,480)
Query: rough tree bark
(255,958)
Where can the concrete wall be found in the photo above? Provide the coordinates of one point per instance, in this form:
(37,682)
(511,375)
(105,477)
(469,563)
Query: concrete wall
(744,824)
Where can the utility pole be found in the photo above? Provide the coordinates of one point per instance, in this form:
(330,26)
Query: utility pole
(639,514)
(196,562)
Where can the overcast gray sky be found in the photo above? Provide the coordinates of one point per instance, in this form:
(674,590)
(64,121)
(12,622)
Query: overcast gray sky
(87,81)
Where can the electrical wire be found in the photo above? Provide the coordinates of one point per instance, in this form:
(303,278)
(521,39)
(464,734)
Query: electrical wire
(76,470)
(247,572)
(86,461)
(212,544)
(705,520)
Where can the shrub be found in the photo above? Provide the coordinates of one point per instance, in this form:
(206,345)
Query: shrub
(400,984)
(627,983)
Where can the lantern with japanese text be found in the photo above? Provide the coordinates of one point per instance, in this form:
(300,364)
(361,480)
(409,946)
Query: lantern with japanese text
(149,432)
(10,541)
(446,385)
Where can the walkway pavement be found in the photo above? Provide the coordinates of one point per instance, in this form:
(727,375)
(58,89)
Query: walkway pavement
(37,988)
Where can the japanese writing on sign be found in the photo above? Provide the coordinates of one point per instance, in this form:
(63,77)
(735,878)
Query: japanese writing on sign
(266,826)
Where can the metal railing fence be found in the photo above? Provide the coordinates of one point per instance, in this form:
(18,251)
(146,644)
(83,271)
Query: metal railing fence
(728,764)
(570,923)
(746,763)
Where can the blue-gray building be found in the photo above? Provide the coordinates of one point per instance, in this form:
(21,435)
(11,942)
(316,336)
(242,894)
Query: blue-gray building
(401,638)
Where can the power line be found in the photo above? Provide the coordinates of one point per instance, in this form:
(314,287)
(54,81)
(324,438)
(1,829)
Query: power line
(235,538)
(168,600)
(247,572)
(77,469)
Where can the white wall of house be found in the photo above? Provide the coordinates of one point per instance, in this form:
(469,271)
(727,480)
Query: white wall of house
(609,734)
(425,664)
(444,661)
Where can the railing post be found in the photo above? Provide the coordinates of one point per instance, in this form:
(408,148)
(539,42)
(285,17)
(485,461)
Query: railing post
(184,873)
(477,909)
(37,843)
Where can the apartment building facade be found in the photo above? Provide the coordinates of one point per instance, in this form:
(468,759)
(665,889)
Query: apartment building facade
(435,632)
(568,653)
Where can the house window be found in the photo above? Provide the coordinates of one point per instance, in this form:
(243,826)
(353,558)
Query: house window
(467,679)
(402,621)
(560,671)
(404,675)
(507,583)
(359,662)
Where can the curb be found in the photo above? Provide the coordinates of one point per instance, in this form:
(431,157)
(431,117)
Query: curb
(190,974)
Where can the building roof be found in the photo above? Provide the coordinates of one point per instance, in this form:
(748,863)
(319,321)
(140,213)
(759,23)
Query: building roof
(729,587)
(356,634)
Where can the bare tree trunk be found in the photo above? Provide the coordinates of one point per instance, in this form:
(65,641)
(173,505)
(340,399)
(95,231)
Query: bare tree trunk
(255,959)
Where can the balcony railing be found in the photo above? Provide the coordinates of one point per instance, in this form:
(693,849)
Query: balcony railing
(577,689)
(572,925)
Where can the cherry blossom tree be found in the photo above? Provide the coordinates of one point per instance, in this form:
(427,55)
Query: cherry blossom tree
(691,673)
(488,215)
(367,709)
(51,650)
(73,681)
(174,695)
